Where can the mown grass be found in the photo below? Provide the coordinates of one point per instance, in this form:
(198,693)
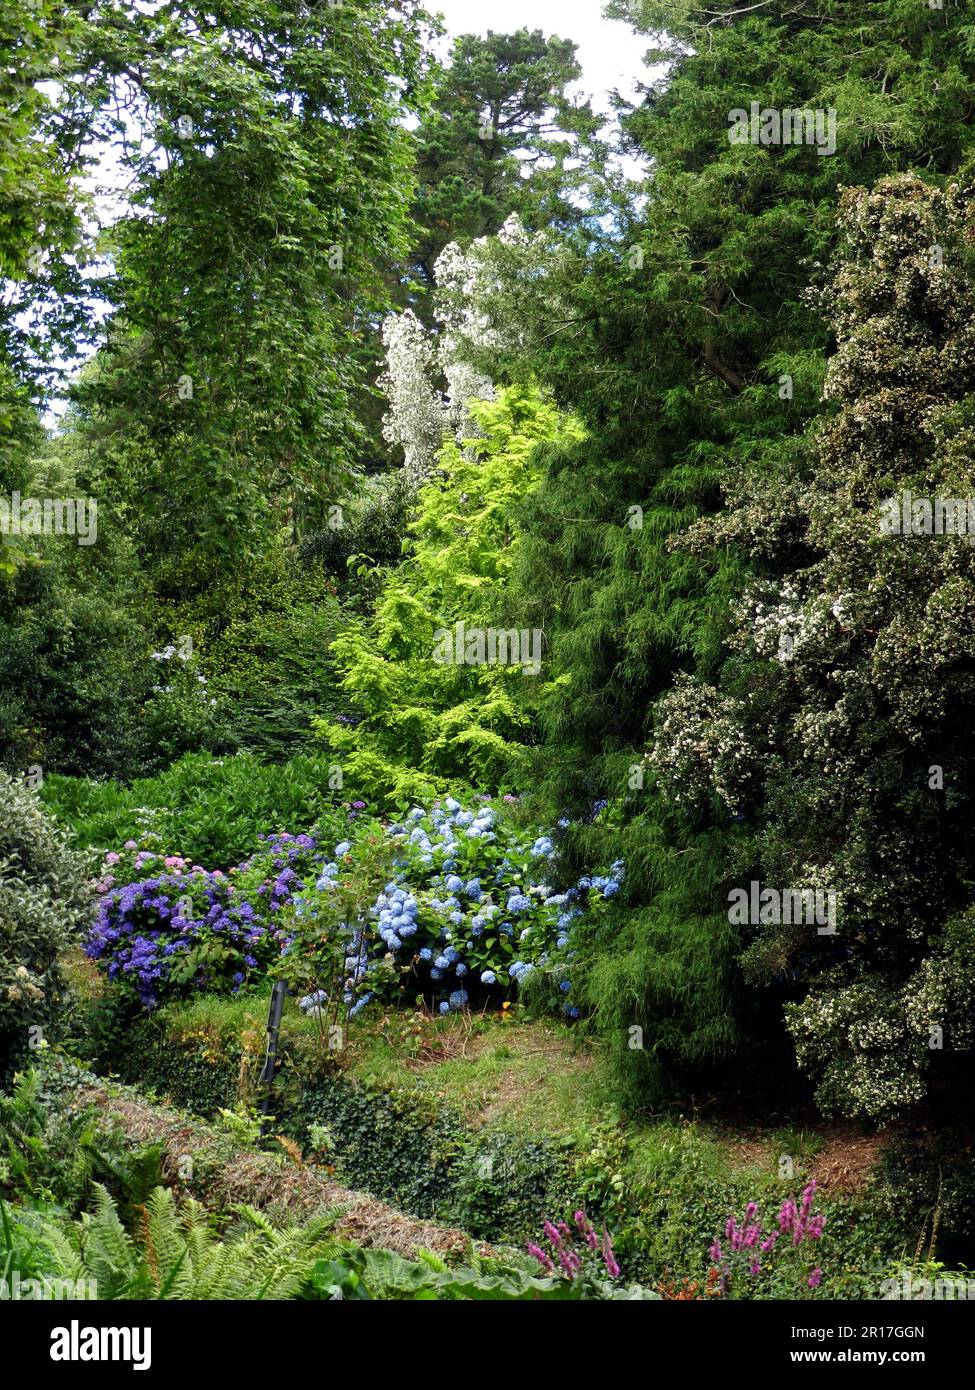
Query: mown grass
(531,1077)
(534,1076)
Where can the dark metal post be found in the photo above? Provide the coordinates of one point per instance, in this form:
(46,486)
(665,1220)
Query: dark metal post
(271,1056)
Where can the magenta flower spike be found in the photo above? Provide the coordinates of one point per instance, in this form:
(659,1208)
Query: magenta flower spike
(552,1234)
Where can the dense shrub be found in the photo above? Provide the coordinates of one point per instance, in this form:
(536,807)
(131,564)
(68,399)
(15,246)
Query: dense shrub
(847,696)
(74,661)
(469,911)
(209,810)
(370,526)
(455,905)
(184,928)
(45,902)
(261,642)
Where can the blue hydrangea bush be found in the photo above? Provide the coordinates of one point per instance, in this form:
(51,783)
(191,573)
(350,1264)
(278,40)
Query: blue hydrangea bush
(168,927)
(470,909)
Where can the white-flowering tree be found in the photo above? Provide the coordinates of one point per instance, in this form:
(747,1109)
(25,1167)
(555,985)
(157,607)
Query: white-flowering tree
(430,380)
(416,418)
(839,730)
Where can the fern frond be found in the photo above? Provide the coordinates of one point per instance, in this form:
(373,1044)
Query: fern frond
(106,1249)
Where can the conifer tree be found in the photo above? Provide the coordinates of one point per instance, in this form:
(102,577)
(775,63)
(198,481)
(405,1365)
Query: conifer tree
(504,136)
(684,340)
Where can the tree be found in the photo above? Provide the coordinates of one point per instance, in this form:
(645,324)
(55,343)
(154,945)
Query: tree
(683,339)
(847,695)
(271,166)
(41,238)
(418,723)
(504,136)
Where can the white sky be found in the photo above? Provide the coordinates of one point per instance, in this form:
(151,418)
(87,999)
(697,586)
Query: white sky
(610,52)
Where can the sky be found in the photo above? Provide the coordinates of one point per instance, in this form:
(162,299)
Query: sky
(610,52)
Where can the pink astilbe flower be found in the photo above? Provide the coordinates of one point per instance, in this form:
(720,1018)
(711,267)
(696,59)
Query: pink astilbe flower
(552,1234)
(581,1256)
(750,1240)
(540,1255)
(787,1215)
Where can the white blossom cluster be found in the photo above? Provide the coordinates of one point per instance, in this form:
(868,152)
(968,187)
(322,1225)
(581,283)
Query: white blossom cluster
(699,747)
(430,380)
(781,624)
(457,301)
(942,993)
(481,292)
(416,418)
(856,1040)
(870,1044)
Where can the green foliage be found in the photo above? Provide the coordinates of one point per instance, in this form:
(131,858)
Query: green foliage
(41,241)
(503,136)
(51,1153)
(45,904)
(210,810)
(245,273)
(400,1145)
(847,690)
(248,266)
(420,723)
(665,1190)
(369,529)
(683,339)
(269,668)
(381,1274)
(148,1056)
(74,647)
(174,1253)
(423,1159)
